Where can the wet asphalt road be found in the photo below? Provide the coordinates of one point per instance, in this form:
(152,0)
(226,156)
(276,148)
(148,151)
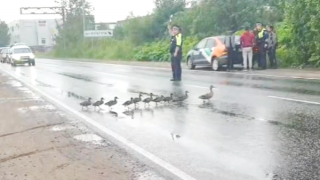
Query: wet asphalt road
(243,133)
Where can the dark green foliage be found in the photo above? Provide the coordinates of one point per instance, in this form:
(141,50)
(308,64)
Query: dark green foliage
(146,38)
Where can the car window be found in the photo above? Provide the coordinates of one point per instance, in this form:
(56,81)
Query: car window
(210,43)
(222,39)
(237,40)
(201,44)
(22,50)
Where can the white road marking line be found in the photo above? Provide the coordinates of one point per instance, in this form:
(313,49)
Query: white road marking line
(168,69)
(295,100)
(133,146)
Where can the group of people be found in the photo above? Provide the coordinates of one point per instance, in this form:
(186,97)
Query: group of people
(262,39)
(265,41)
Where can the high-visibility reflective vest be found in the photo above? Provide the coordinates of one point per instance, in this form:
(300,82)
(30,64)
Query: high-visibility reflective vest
(261,33)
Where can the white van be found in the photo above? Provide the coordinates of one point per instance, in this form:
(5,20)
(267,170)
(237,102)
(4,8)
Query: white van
(21,54)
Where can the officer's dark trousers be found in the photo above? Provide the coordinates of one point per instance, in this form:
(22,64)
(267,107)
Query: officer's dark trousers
(176,66)
(262,57)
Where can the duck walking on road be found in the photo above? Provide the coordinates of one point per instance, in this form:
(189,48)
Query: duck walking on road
(148,100)
(98,103)
(86,103)
(138,99)
(128,103)
(168,99)
(207,96)
(181,98)
(158,100)
(112,102)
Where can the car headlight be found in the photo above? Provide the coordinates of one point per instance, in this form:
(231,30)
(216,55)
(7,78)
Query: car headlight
(32,56)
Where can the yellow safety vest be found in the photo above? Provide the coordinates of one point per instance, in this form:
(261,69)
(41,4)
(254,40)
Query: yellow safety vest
(179,40)
(260,34)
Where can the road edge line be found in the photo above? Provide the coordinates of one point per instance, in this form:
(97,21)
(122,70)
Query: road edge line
(177,172)
(295,100)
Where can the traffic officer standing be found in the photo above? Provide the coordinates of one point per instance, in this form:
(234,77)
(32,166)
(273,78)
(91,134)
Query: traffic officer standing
(262,42)
(176,52)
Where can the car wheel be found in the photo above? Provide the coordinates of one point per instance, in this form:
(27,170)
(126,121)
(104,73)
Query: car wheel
(33,63)
(189,63)
(215,65)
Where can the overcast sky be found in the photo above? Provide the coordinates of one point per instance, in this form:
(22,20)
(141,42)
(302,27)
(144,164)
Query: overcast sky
(105,10)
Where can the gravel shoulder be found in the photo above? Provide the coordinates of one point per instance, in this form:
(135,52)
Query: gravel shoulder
(39,141)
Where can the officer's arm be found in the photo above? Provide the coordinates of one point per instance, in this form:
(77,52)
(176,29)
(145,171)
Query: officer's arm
(178,42)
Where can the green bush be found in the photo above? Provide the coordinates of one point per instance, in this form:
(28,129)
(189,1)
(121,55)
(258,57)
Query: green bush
(159,51)
(99,49)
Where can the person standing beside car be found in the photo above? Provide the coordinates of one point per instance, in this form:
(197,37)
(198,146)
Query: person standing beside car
(262,42)
(247,43)
(176,52)
(272,46)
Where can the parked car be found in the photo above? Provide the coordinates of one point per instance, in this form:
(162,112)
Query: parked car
(21,54)
(213,52)
(4,55)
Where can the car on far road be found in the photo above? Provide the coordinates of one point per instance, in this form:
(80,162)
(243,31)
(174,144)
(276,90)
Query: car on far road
(21,54)
(213,52)
(4,54)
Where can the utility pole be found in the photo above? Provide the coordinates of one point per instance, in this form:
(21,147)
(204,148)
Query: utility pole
(46,11)
(83,17)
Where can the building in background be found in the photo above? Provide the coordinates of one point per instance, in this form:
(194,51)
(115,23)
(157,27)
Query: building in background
(38,34)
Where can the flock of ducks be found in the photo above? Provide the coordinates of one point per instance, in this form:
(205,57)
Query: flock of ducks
(146,101)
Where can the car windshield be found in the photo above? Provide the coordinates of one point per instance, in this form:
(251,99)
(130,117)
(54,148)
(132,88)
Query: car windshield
(22,50)
(4,50)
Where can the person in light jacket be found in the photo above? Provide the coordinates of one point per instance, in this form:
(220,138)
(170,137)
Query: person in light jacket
(272,46)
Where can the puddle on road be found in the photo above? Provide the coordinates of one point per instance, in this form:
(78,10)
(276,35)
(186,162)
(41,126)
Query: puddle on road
(39,83)
(92,138)
(35,108)
(25,90)
(84,78)
(14,83)
(61,128)
(147,175)
(74,95)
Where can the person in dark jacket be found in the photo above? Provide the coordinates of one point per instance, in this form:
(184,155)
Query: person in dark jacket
(230,53)
(176,52)
(272,46)
(262,42)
